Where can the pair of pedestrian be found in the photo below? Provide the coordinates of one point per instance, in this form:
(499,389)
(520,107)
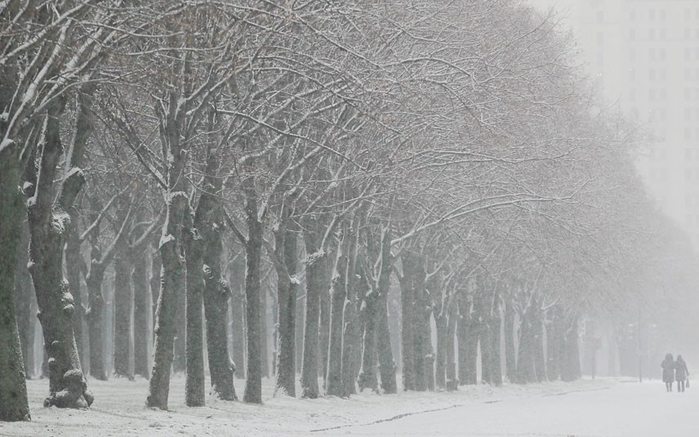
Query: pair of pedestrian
(675,371)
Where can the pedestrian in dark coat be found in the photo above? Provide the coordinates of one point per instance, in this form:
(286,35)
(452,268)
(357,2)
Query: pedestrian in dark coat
(681,373)
(668,366)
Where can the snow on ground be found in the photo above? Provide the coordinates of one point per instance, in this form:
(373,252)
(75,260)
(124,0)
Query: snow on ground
(586,408)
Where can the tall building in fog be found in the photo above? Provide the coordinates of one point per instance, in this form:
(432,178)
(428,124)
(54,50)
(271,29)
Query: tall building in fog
(645,56)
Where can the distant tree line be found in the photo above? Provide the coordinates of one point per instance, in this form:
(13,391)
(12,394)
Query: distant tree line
(311,190)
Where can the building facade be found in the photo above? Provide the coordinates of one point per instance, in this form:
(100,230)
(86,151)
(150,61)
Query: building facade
(644,54)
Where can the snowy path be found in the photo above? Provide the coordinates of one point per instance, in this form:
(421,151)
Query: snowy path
(585,408)
(626,409)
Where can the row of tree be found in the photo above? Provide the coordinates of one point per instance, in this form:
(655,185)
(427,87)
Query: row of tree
(369,170)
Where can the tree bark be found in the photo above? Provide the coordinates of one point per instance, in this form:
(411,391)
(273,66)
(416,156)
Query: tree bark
(209,222)
(253,251)
(510,354)
(47,225)
(441,359)
(123,298)
(195,385)
(468,343)
(156,266)
(172,271)
(571,364)
(351,346)
(239,328)
(367,376)
(324,322)
(264,330)
(286,247)
(25,299)
(140,281)
(452,380)
(387,365)
(338,293)
(74,261)
(315,281)
(408,320)
(494,327)
(13,392)
(94,316)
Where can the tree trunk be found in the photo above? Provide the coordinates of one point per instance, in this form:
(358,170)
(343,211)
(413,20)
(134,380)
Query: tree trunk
(139,278)
(468,343)
(209,221)
(74,261)
(300,329)
(195,384)
(239,328)
(25,299)
(486,344)
(123,299)
(286,246)
(351,346)
(539,357)
(216,296)
(496,368)
(387,365)
(264,330)
(571,363)
(510,357)
(408,321)
(95,316)
(555,343)
(315,281)
(338,293)
(172,272)
(419,310)
(367,376)
(47,226)
(156,266)
(527,361)
(324,324)
(13,385)
(253,251)
(452,381)
(441,359)
(179,363)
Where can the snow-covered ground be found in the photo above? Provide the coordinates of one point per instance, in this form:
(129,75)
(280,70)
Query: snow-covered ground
(586,408)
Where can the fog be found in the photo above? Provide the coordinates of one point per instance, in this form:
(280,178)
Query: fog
(314,216)
(643,58)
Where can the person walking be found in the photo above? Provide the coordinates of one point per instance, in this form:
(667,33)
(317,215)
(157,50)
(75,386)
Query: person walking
(668,366)
(681,373)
